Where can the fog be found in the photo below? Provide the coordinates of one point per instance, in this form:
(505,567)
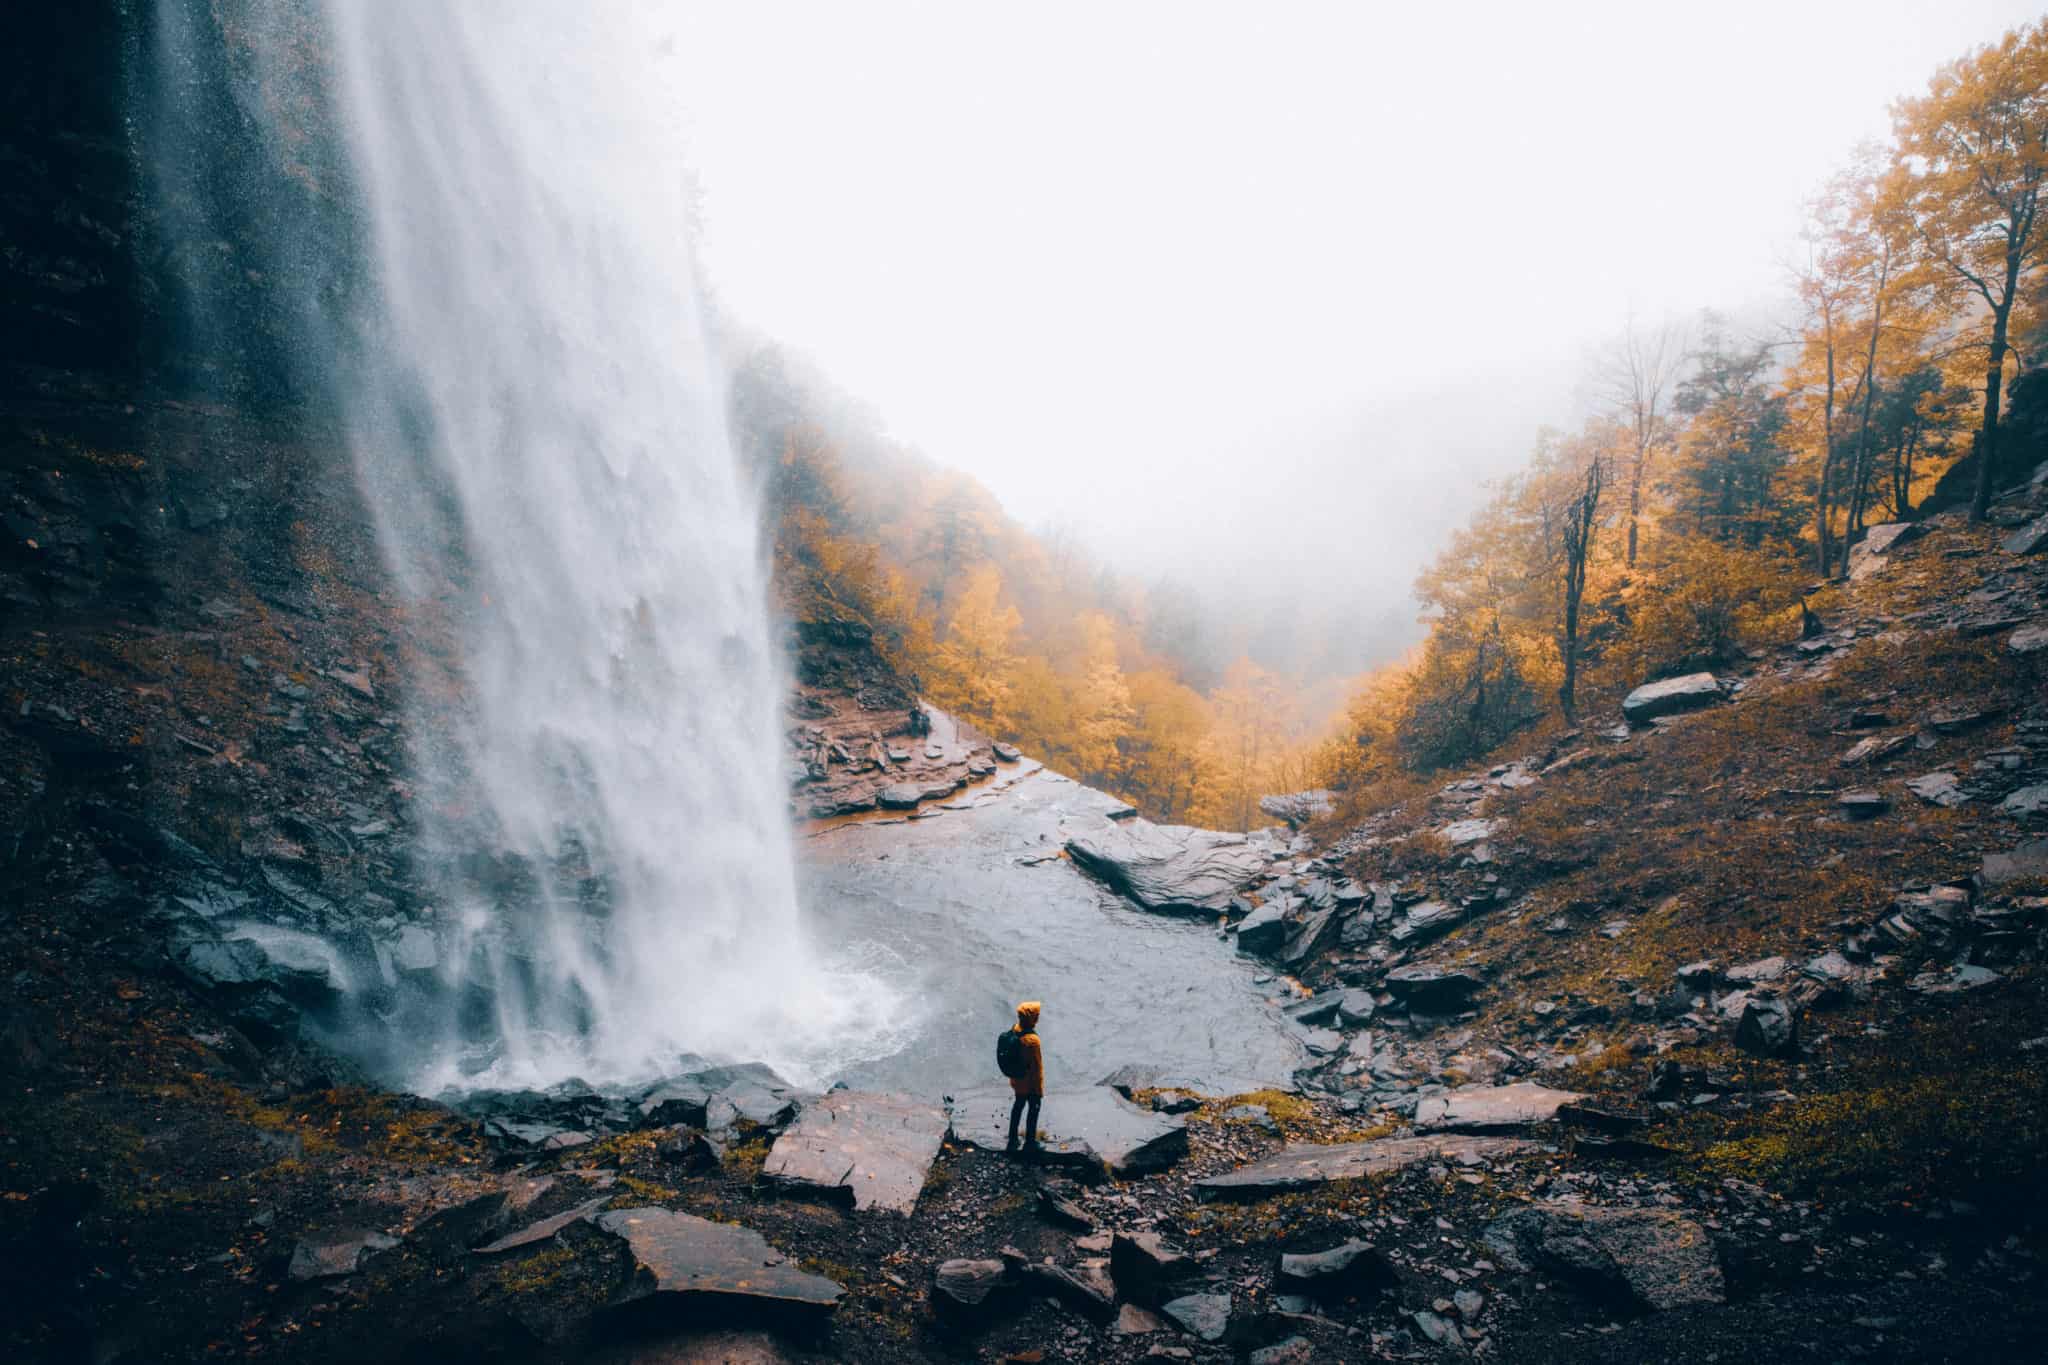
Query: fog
(1258,296)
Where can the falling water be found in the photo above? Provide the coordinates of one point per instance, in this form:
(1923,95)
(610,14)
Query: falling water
(540,422)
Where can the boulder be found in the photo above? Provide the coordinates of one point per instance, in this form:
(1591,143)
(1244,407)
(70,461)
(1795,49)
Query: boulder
(1091,1130)
(1203,1316)
(1669,697)
(329,1256)
(1866,556)
(970,1292)
(1175,1102)
(1144,1267)
(1862,805)
(1352,1270)
(1298,808)
(718,1098)
(1459,833)
(862,1150)
(1086,1288)
(1492,1108)
(1431,989)
(1306,938)
(694,1266)
(1421,923)
(2026,862)
(2029,539)
(1263,932)
(1170,867)
(1938,789)
(1008,753)
(1769,1027)
(1646,1257)
(1307,1166)
(1763,969)
(900,796)
(2028,640)
(2027,802)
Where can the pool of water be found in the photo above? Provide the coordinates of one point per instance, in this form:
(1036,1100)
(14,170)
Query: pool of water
(972,910)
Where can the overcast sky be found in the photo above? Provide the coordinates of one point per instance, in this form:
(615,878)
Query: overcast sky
(1260,290)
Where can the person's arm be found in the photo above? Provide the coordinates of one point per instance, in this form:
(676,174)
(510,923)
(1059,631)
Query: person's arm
(1037,1063)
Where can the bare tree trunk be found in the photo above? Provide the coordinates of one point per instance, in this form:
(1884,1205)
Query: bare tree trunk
(1823,512)
(1994,381)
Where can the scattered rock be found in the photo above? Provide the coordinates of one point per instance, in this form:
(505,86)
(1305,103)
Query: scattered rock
(863,1150)
(1144,1267)
(1299,808)
(1656,1259)
(1938,789)
(2025,862)
(333,1255)
(969,1291)
(1763,969)
(543,1230)
(2027,802)
(692,1264)
(2029,539)
(1205,1316)
(1352,1270)
(1432,989)
(1492,1109)
(2028,640)
(1862,805)
(1769,1027)
(1304,1166)
(1263,932)
(1866,556)
(1670,696)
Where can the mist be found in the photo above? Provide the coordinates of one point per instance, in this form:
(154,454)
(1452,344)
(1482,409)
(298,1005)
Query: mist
(1258,301)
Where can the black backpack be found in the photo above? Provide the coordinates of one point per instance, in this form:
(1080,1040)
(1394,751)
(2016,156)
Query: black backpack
(1010,1054)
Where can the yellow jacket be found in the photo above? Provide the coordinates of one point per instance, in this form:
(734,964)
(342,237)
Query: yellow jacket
(1032,1082)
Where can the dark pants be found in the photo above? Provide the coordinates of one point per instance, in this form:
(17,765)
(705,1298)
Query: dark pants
(1017,1108)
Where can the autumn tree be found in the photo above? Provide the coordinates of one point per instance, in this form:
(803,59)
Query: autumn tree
(1971,156)
(1634,381)
(975,663)
(1103,710)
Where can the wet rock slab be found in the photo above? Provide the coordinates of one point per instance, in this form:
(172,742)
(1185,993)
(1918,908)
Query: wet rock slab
(1092,1130)
(696,1266)
(1492,1108)
(1657,1259)
(1304,1166)
(1170,867)
(864,1150)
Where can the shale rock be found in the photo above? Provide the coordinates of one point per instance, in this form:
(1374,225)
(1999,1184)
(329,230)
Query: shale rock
(1307,1166)
(1090,1130)
(1170,867)
(1352,1270)
(1434,990)
(1492,1109)
(1204,1316)
(1669,697)
(1144,1267)
(863,1150)
(1657,1260)
(695,1266)
(1769,1027)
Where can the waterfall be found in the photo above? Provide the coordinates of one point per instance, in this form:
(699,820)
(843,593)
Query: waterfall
(538,418)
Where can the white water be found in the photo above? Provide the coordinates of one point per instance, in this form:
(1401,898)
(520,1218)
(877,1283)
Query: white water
(541,382)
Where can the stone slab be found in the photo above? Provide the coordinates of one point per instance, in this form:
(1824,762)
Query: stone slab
(696,1264)
(1303,1166)
(1492,1108)
(1091,1129)
(865,1150)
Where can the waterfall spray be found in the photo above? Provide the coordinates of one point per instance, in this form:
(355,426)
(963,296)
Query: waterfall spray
(539,420)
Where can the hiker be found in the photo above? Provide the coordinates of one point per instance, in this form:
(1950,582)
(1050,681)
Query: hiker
(1024,1064)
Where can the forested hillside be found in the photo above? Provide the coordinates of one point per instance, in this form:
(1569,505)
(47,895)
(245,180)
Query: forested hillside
(1724,476)
(1139,690)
